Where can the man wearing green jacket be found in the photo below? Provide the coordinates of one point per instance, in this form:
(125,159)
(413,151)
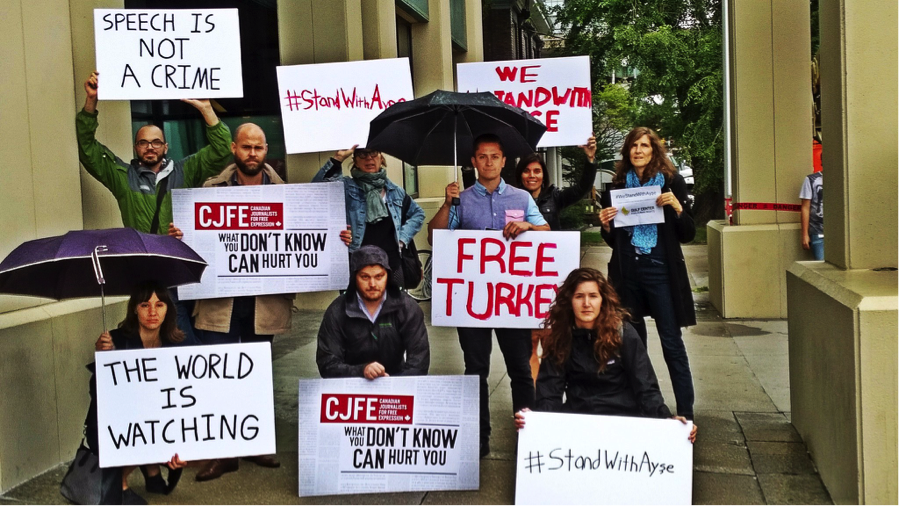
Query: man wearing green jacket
(135,185)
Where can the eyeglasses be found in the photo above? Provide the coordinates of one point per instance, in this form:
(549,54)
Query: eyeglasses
(365,155)
(155,143)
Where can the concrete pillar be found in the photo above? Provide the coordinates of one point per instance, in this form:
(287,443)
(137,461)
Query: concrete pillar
(771,135)
(379,29)
(843,312)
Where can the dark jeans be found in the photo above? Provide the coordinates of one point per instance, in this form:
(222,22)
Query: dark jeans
(243,326)
(648,289)
(515,344)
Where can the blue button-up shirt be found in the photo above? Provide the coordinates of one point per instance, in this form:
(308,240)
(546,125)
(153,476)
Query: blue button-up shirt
(480,210)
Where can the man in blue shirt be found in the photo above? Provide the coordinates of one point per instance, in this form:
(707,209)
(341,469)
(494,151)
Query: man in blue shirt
(491,204)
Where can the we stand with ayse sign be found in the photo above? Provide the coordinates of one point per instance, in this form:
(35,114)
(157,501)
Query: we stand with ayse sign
(393,434)
(264,239)
(554,90)
(481,279)
(199,402)
(328,106)
(591,459)
(637,206)
(168,54)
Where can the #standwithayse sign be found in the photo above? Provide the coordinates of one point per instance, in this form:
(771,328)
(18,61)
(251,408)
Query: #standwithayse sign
(200,402)
(328,106)
(637,206)
(591,459)
(265,239)
(395,434)
(168,54)
(554,90)
(481,279)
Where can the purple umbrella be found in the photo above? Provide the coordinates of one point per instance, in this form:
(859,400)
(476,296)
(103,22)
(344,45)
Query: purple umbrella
(116,259)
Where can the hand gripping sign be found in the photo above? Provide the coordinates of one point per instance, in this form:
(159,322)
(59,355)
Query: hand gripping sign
(481,279)
(168,54)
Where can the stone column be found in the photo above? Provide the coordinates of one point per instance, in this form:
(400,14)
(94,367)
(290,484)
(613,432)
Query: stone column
(771,134)
(843,312)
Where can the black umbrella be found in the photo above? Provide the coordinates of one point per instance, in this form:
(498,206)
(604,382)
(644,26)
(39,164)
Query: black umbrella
(438,129)
(116,259)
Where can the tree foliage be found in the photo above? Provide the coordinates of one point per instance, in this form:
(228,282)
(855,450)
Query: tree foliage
(676,48)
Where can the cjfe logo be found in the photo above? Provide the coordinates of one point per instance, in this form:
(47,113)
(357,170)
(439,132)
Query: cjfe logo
(349,408)
(225,216)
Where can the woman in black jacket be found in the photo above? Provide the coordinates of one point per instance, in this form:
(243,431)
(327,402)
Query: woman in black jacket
(530,175)
(647,267)
(594,357)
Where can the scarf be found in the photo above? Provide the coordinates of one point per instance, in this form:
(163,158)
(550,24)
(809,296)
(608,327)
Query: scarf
(644,237)
(372,183)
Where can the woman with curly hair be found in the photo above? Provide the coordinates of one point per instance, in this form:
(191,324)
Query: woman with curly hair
(647,267)
(594,357)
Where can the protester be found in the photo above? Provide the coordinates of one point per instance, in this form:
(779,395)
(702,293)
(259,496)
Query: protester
(143,187)
(371,198)
(374,329)
(530,175)
(812,214)
(246,319)
(594,357)
(647,267)
(492,204)
(150,322)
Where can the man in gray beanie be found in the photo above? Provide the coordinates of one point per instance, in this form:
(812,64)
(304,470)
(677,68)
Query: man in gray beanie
(374,329)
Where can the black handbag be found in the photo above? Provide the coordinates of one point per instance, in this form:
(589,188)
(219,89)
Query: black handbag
(409,261)
(82,482)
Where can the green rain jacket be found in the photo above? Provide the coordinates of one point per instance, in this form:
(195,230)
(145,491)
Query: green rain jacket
(134,186)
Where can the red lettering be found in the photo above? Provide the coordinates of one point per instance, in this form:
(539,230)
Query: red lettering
(499,94)
(542,96)
(525,99)
(449,291)
(525,75)
(460,255)
(515,259)
(524,299)
(560,99)
(487,308)
(509,99)
(377,98)
(536,114)
(552,123)
(542,259)
(506,73)
(507,299)
(540,300)
(496,257)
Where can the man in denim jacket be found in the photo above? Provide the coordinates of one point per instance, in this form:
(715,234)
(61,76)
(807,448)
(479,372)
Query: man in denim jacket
(374,206)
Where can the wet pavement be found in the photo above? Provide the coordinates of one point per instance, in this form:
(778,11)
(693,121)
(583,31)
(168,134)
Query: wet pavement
(747,451)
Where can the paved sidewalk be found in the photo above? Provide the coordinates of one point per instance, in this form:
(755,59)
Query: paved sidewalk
(747,452)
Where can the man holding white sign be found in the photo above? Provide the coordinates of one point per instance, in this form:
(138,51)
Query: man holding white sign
(492,204)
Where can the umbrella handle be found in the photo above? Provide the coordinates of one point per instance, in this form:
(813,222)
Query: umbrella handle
(456,200)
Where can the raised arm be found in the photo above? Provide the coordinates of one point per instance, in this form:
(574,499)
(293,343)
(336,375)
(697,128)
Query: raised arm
(572,194)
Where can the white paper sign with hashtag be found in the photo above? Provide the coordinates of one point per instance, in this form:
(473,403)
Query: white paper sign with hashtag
(637,206)
(590,459)
(328,106)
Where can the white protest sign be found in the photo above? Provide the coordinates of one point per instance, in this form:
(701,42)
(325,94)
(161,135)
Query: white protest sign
(393,434)
(591,459)
(264,239)
(637,206)
(554,90)
(201,402)
(168,54)
(481,279)
(329,106)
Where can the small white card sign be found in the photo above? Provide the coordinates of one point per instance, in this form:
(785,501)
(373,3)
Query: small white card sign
(481,279)
(589,459)
(329,106)
(637,206)
(395,434)
(555,90)
(264,239)
(201,402)
(168,54)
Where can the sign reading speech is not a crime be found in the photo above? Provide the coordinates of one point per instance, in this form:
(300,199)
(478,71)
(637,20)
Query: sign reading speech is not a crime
(329,106)
(591,459)
(393,434)
(481,279)
(554,90)
(200,402)
(168,54)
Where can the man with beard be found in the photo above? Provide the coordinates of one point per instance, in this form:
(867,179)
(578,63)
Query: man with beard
(143,187)
(246,319)
(374,329)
